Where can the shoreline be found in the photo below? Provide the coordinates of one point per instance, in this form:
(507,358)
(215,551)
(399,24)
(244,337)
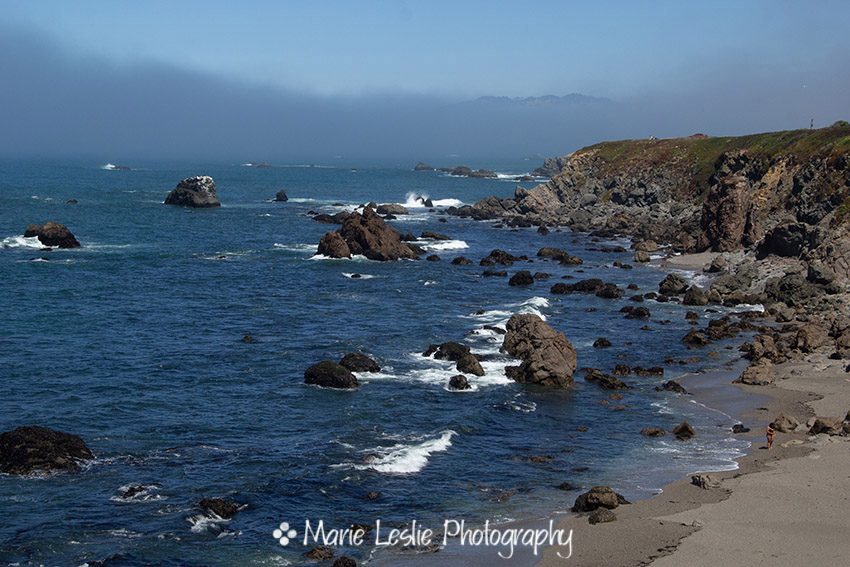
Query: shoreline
(689,525)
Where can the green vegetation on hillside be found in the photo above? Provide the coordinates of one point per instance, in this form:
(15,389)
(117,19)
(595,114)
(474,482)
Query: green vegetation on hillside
(702,153)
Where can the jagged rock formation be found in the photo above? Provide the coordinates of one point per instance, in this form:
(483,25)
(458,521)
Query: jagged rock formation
(366,234)
(198,192)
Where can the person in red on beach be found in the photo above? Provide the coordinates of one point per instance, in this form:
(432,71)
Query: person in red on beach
(771,433)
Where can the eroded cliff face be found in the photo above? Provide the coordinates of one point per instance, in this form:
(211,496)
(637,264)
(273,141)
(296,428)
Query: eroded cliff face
(785,194)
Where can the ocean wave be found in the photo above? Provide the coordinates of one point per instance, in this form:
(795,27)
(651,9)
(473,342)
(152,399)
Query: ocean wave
(417,201)
(357,276)
(356,258)
(31,242)
(302,247)
(432,245)
(408,459)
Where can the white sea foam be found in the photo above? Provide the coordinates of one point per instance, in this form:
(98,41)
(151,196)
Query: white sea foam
(447,202)
(356,258)
(31,242)
(350,275)
(409,459)
(416,201)
(442,244)
(303,247)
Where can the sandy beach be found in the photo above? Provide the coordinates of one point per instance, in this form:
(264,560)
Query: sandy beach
(786,506)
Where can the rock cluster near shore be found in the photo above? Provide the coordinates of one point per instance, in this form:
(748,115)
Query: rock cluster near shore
(369,235)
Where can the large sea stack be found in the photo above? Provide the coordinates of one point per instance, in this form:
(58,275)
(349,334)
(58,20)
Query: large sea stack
(548,358)
(198,192)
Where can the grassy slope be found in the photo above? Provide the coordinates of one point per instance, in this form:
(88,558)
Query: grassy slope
(699,155)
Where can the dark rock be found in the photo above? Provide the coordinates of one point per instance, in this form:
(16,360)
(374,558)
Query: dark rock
(357,362)
(422,167)
(198,192)
(369,235)
(52,234)
(494,273)
(501,257)
(224,509)
(548,358)
(786,240)
(695,339)
(601,516)
(281,197)
(248,339)
(739,428)
(372,495)
(71,202)
(642,256)
(652,432)
(459,382)
(601,342)
(391,209)
(673,284)
(598,497)
(461,261)
(469,364)
(684,431)
(434,235)
(610,291)
(542,230)
(605,381)
(542,276)
(695,296)
(329,374)
(345,561)
(433,258)
(523,277)
(671,386)
(568,486)
(635,312)
(33,449)
(448,351)
(333,245)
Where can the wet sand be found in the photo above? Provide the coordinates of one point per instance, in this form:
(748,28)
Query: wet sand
(786,506)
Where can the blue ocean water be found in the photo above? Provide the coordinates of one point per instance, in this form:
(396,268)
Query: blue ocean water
(134,343)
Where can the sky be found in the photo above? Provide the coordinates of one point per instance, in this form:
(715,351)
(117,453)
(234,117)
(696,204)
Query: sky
(384,77)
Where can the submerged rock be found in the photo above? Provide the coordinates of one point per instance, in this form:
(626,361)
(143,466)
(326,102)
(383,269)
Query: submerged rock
(33,449)
(523,277)
(223,508)
(52,234)
(684,431)
(329,374)
(198,192)
(548,358)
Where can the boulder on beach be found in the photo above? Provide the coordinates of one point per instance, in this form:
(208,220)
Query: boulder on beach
(357,362)
(369,235)
(758,373)
(827,426)
(601,516)
(198,192)
(52,234)
(598,497)
(35,449)
(785,424)
(329,374)
(548,358)
(281,197)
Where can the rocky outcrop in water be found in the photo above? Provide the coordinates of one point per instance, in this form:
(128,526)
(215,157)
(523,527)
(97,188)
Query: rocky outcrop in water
(598,497)
(52,234)
(329,374)
(357,362)
(548,358)
(366,234)
(281,197)
(35,449)
(198,192)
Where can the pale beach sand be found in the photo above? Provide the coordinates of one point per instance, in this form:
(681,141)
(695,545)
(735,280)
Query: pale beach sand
(783,507)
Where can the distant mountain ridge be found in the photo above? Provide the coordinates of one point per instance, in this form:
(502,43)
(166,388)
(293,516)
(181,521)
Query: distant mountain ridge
(537,101)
